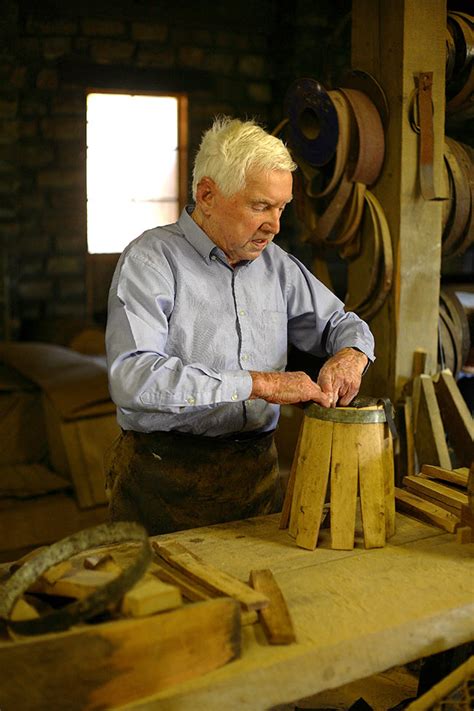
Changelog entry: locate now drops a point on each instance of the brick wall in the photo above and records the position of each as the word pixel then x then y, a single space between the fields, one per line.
pixel 230 58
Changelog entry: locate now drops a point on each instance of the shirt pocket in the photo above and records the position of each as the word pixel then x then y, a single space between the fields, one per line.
pixel 275 328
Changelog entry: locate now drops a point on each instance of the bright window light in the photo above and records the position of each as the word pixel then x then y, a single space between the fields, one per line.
pixel 132 167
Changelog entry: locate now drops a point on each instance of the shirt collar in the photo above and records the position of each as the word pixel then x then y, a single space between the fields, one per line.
pixel 199 239
pixel 195 235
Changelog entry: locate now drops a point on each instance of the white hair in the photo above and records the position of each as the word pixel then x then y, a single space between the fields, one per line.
pixel 231 148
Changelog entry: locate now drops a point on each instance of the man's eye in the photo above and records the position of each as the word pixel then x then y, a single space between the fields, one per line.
pixel 260 207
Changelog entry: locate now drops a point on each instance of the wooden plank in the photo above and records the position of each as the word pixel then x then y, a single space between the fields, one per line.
pixel 371 484
pixel 453 476
pixel 457 420
pixel 388 465
pixel 27 480
pixel 313 468
pixel 210 577
pixel 115 663
pixel 430 440
pixel 305 440
pixel 96 435
pixel 150 595
pixel 435 490
pixel 344 477
pixel 44 520
pixel 425 511
pixel 190 589
pixel 290 487
pixel 275 618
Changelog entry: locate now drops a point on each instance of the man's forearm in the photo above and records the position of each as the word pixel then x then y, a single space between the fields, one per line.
pixel 286 388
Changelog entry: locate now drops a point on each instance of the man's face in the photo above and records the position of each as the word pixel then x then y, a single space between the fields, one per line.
pixel 243 224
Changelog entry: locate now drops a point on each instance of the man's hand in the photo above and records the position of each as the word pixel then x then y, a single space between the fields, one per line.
pixel 287 388
pixel 341 375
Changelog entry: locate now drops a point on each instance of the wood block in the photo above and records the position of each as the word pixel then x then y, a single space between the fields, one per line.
pixel 371 484
pixel 210 577
pixel 430 440
pixel 457 419
pixel 22 610
pixel 425 511
pixel 313 472
pixel 116 663
pixel 57 571
pixel 344 477
pixel 103 561
pixel 419 485
pixel 275 618
pixel 149 596
pixel 453 476
pixel 78 584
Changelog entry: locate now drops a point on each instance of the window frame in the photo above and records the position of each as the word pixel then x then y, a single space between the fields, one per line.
pixel 101 264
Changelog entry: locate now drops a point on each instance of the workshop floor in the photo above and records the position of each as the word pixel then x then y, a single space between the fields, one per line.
pixel 380 692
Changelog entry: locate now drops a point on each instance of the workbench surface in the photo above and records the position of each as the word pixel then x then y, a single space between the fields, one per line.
pixel 356 613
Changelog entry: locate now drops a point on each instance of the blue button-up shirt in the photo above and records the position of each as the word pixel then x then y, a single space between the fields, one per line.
pixel 184 328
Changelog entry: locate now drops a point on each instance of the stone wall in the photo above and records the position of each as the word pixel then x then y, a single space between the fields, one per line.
pixel 235 58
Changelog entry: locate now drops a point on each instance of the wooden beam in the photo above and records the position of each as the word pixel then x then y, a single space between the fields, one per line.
pixel 394 42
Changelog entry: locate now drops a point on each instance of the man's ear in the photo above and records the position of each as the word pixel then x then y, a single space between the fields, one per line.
pixel 206 192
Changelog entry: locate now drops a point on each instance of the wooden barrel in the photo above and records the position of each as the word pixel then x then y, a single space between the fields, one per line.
pixel 349 449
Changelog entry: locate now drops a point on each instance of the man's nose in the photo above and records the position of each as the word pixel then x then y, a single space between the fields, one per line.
pixel 273 223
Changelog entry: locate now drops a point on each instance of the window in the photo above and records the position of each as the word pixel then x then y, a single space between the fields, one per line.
pixel 136 170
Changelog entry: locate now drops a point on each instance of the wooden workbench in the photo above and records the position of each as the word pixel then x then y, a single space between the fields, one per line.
pixel 356 613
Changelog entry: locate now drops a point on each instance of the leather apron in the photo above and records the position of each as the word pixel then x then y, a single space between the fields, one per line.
pixel 170 481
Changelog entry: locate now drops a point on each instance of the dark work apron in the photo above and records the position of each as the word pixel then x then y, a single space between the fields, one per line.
pixel 170 481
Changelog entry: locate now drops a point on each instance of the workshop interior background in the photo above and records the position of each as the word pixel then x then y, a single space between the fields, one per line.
pixel 226 58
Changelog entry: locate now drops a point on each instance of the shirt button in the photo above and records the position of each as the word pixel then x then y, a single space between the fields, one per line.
pixel 234 396
pixel 241 312
pixel 213 257
pixel 245 357
pixel 191 401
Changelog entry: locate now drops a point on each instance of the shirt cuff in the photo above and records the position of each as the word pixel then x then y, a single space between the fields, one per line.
pixel 236 385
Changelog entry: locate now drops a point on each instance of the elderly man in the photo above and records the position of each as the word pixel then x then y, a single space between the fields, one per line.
pixel 201 313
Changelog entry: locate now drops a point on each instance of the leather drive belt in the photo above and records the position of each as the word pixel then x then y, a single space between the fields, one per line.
pixel 313 124
pixel 461 27
pixel 368 150
pixel 381 274
pixel 362 143
pixel 93 604
pixel 458 230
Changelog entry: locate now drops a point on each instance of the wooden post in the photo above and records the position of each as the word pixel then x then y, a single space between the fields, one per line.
pixel 394 42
